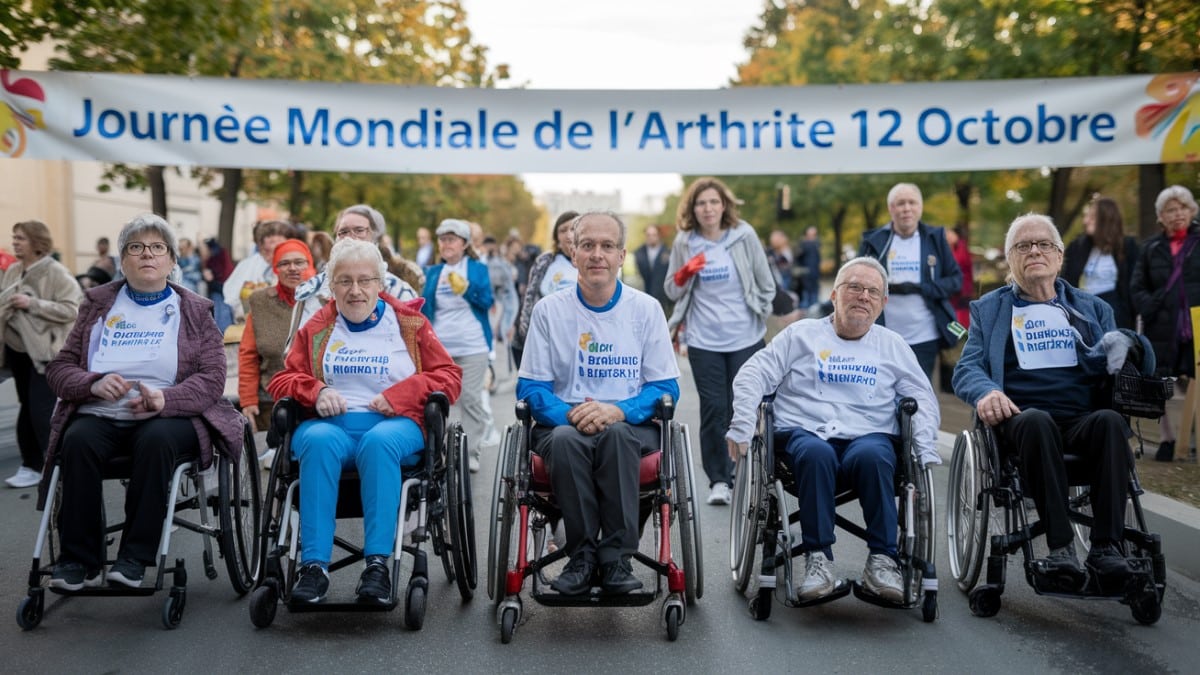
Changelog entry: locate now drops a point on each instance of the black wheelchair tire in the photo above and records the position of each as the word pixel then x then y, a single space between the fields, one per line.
pixel 240 516
pixel 461 530
pixel 504 512
pixel 744 517
pixel 967 515
pixel 687 516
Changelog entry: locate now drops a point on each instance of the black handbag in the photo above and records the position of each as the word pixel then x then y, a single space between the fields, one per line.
pixel 1137 395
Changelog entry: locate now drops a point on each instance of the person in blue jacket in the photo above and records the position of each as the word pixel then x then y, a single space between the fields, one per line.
pixel 922 275
pixel 458 295
pixel 1036 356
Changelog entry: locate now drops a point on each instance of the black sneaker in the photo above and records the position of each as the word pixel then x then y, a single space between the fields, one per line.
pixel 616 578
pixel 72 576
pixel 126 572
pixel 311 584
pixel 375 585
pixel 576 577
pixel 1108 563
pixel 1063 563
pixel 1166 452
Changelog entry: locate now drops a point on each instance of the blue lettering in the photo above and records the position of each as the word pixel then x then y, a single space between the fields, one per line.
pixel 296 122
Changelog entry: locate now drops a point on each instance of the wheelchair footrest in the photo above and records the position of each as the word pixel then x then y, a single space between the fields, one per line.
pixel 841 590
pixel 305 607
pixel 595 598
pixel 1094 587
pixel 865 595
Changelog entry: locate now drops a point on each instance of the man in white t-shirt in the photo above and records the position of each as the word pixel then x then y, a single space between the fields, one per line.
pixel 922 276
pixel 836 382
pixel 597 358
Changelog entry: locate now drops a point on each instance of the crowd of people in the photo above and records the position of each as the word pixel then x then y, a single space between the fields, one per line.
pixel 306 300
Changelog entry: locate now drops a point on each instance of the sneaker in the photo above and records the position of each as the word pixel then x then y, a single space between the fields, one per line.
pixel 881 577
pixel 1166 452
pixel 616 577
pixel 126 572
pixel 71 576
pixel 720 494
pixel 818 577
pixel 1062 562
pixel 473 464
pixel 312 584
pixel 1107 562
pixel 375 584
pixel 576 577
pixel 25 477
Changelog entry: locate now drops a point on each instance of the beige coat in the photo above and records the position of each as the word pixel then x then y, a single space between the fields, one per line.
pixel 40 330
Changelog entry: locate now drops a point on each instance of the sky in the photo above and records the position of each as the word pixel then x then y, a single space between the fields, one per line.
pixel 614 44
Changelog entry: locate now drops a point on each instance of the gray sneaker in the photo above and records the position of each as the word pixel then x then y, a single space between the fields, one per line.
pixel 818 577
pixel 881 577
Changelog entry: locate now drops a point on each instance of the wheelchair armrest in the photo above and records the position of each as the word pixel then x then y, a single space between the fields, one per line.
pixel 665 408
pixel 284 418
pixel 439 401
pixel 523 412
pixel 907 406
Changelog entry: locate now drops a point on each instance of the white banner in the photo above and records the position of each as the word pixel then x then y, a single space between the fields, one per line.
pixel 153 119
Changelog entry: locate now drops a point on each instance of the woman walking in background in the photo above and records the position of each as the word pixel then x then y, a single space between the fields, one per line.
pixel 551 271
pixel 1101 260
pixel 722 286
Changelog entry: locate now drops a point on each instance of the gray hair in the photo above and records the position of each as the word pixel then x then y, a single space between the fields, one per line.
pixel 1177 193
pixel 865 261
pixel 1027 219
pixel 900 186
pixel 148 222
pixel 374 217
pixel 354 250
pixel 608 214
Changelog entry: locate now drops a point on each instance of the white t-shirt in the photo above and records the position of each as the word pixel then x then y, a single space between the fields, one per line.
pixel 836 388
pixel 560 274
pixel 606 355
pixel 1043 337
pixel 718 318
pixel 360 365
pixel 908 315
pixel 1099 273
pixel 255 271
pixel 453 321
pixel 141 344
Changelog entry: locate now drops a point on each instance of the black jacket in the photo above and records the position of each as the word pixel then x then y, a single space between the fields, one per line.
pixel 1120 299
pixel 1158 305
pixel 653 272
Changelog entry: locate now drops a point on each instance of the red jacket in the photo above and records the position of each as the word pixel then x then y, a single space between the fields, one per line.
pixel 302 375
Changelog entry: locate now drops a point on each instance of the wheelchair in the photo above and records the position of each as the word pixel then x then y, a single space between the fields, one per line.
pixel 760 518
pixel 229 489
pixel 436 494
pixel 524 513
pixel 987 504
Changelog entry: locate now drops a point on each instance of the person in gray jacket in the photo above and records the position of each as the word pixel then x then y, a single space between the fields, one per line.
pixel 722 286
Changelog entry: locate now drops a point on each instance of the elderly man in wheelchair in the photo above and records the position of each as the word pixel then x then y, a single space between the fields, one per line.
pixel 1037 353
pixel 836 383
pixel 594 413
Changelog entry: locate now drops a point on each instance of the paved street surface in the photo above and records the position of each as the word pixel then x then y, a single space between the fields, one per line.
pixel 1031 633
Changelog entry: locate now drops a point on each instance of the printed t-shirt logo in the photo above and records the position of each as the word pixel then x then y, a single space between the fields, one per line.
pixel 835 369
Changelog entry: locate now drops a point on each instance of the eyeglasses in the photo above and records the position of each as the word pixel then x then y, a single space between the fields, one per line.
pixel 607 247
pixel 157 248
pixel 353 231
pixel 347 284
pixel 1024 247
pixel 859 289
pixel 299 264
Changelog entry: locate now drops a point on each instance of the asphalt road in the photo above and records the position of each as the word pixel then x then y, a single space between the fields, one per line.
pixel 1030 634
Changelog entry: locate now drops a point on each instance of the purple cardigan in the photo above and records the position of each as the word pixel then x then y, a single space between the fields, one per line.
pixel 199 382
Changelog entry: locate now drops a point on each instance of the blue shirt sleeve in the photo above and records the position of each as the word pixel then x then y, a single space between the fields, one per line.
pixel 547 409
pixel 640 408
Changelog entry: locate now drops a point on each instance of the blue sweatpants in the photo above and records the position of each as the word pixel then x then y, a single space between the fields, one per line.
pixel 374 444
pixel 866 463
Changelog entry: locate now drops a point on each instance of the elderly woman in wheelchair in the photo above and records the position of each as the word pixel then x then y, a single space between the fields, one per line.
pixel 365 364
pixel 1037 354
pixel 836 382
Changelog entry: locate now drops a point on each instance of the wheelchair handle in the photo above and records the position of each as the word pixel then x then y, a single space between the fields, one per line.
pixel 439 399
pixel 666 408
pixel 908 406
pixel 523 413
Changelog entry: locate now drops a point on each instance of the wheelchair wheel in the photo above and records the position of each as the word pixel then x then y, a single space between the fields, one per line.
pixel 264 602
pixel 1079 500
pixel 744 516
pixel 688 516
pixel 29 612
pixel 414 605
pixel 504 512
pixel 1146 606
pixel 459 514
pixel 967 510
pixel 508 624
pixel 240 513
pixel 172 611
pixel 270 522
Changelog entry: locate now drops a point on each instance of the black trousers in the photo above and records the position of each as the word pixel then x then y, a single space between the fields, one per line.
pixel 157 445
pixel 595 482
pixel 713 373
pixel 37 405
pixel 1102 439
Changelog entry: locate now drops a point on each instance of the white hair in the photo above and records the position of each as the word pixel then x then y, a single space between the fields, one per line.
pixel 1177 193
pixel 865 261
pixel 1028 219
pixel 354 250
pixel 901 186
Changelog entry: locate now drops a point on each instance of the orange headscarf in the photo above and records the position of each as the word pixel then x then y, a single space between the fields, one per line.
pixel 291 246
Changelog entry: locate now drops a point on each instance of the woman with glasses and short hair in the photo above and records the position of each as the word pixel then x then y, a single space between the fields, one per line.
pixel 365 363
pixel 458 295
pixel 142 374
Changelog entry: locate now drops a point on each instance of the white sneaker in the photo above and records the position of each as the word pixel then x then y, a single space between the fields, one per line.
pixel 25 477
pixel 818 577
pixel 473 464
pixel 266 459
pixel 881 576
pixel 720 494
